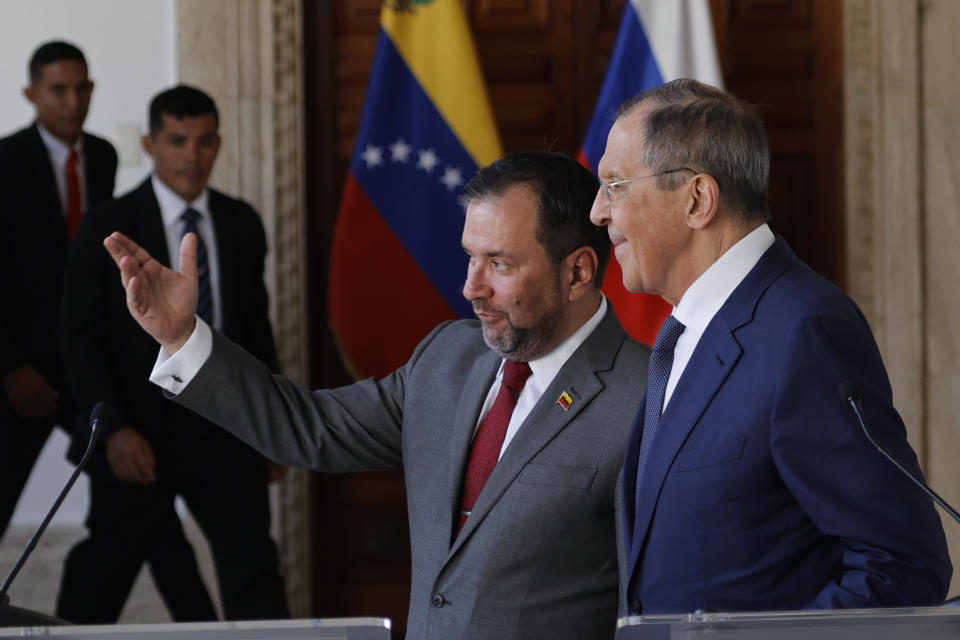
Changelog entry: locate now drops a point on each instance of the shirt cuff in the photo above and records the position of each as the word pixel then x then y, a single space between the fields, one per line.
pixel 174 372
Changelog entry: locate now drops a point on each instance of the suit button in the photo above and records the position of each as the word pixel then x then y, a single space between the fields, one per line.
pixel 438 600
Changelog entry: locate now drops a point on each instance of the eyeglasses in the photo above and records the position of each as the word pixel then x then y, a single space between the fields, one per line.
pixel 610 188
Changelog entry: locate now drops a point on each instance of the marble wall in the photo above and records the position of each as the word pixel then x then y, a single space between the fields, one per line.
pixel 902 137
pixel 247 55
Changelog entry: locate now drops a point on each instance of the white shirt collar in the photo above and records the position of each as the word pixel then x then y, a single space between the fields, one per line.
pixel 702 300
pixel 57 148
pixel 172 205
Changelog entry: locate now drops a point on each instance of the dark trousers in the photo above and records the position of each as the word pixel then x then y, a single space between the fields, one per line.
pixel 224 485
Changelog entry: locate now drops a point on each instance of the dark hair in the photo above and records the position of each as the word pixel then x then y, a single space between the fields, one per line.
pixel 566 191
pixel 180 102
pixel 695 125
pixel 50 52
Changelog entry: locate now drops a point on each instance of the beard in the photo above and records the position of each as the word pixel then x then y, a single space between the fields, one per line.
pixel 524 343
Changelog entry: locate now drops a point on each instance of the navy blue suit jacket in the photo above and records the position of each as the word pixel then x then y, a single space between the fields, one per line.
pixel 760 491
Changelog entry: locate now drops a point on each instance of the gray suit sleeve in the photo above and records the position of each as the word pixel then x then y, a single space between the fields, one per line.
pixel 352 428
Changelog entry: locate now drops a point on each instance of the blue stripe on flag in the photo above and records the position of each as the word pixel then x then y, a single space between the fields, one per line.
pixel 412 168
pixel 632 69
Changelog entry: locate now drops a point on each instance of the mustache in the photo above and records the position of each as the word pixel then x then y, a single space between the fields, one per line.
pixel 480 307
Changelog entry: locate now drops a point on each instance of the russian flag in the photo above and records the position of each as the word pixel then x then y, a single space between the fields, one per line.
pixel 397 268
pixel 658 41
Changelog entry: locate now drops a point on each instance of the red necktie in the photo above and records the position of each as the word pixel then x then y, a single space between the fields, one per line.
pixel 489 439
pixel 73 195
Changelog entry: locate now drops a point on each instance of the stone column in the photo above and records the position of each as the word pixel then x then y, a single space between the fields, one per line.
pixel 940 169
pixel 884 219
pixel 902 135
pixel 248 55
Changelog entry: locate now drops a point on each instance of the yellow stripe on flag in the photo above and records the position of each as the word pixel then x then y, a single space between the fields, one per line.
pixel 436 44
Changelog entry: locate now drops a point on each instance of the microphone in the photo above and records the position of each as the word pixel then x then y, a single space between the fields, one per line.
pixel 850 395
pixel 13 615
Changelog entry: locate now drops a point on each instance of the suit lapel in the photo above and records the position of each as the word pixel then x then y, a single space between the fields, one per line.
pixel 229 261
pixel 46 182
pixel 464 423
pixel 150 232
pixel 96 169
pixel 713 359
pixel 628 472
pixel 579 379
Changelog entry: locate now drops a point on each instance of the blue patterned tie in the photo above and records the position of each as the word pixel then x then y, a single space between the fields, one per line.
pixel 205 296
pixel 661 361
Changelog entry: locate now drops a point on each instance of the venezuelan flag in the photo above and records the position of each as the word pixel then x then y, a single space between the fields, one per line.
pixel 658 41
pixel 397 268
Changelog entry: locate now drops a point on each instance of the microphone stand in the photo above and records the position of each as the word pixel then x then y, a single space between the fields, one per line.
pixel 15 615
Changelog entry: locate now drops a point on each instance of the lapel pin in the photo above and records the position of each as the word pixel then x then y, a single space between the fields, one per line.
pixel 564 400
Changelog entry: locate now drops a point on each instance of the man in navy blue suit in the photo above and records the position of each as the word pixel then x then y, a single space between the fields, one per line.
pixel 747 483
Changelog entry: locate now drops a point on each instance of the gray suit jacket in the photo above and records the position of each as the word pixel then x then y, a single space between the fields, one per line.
pixel 537 557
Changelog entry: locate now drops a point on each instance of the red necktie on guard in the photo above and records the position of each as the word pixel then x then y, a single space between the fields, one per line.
pixel 489 438
pixel 73 195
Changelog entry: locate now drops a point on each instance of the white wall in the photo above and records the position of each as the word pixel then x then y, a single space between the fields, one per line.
pixel 130 47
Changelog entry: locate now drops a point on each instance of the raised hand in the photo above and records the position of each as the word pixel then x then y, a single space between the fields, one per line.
pixel 161 300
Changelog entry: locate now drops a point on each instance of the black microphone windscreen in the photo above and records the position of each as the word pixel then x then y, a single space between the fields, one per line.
pixel 99 413
pixel 848 391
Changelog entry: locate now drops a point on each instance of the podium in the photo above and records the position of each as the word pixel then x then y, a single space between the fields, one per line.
pixel 323 628
pixel 846 624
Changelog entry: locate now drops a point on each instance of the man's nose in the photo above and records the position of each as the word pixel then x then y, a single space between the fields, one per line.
pixel 600 212
pixel 474 286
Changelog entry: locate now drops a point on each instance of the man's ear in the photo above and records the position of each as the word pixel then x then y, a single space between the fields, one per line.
pixel 28 94
pixel 147 142
pixel 581 268
pixel 704 200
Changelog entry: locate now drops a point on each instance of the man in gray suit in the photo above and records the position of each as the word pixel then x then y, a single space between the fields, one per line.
pixel 510 476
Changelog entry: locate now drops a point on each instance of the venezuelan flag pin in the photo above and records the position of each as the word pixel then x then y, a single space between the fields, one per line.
pixel 564 400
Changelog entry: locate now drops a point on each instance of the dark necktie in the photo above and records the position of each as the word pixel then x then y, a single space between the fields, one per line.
pixel 205 296
pixel 661 361
pixel 489 438
pixel 73 194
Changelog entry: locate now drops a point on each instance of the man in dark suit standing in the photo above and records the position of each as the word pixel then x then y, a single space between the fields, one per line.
pixel 154 450
pixel 748 483
pixel 50 172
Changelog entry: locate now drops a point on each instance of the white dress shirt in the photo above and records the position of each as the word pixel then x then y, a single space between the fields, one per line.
pixel 703 298
pixel 175 372
pixel 542 372
pixel 172 207
pixel 59 152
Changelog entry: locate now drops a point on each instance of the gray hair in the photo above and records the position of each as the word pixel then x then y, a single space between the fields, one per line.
pixel 695 125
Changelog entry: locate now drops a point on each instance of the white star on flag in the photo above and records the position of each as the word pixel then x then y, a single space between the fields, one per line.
pixel 451 178
pixel 428 160
pixel 373 156
pixel 400 151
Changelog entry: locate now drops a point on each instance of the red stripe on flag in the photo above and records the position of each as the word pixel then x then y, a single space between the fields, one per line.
pixel 376 287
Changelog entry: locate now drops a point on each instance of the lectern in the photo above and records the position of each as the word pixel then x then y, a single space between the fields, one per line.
pixel 848 624
pixel 322 628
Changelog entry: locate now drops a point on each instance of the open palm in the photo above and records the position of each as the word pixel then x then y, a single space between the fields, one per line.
pixel 161 300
